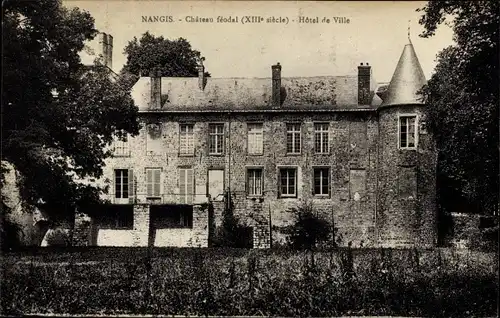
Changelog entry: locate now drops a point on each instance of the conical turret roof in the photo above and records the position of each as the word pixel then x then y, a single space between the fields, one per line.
pixel 407 80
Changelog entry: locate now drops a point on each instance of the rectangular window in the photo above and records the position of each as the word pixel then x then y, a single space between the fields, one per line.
pixel 216 141
pixel 186 185
pixel 153 182
pixel 407 132
pixel 321 181
pixel 293 138
pixel 216 184
pixel 121 184
pixel 357 184
pixel 153 139
pixel 321 138
pixel 288 182
pixel 254 182
pixel 121 145
pixel 172 216
pixel 255 139
pixel 116 217
pixel 186 139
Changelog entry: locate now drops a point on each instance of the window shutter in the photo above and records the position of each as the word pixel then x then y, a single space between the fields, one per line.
pixel 149 182
pixel 190 185
pixel 182 185
pixel 114 184
pixel 157 182
pixel 131 191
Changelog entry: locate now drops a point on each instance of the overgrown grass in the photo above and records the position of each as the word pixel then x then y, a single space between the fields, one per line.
pixel 251 282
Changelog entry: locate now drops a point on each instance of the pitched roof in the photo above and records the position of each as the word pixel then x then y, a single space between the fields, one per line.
pixel 407 80
pixel 248 94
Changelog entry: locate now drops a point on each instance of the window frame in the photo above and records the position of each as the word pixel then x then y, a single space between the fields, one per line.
pixel 160 187
pixel 407 115
pixel 254 134
pixel 294 132
pixel 321 133
pixel 124 172
pixel 247 183
pixel 186 135
pixel 120 144
pixel 280 186
pixel 328 171
pixel 222 135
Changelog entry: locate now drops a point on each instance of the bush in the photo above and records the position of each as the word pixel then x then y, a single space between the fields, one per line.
pixel 10 235
pixel 308 229
pixel 58 237
pixel 231 233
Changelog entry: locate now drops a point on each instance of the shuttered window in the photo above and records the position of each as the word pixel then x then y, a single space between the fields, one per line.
pixel 153 182
pixel 186 185
pixel 255 139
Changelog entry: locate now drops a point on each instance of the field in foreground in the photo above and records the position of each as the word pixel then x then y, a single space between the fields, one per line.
pixel 437 282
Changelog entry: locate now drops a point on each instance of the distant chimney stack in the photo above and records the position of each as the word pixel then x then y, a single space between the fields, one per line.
pixel 155 89
pixel 364 76
pixel 109 59
pixel 201 77
pixel 276 82
pixel 103 47
pixel 106 49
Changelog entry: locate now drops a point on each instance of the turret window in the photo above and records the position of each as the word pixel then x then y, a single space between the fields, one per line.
pixel 408 132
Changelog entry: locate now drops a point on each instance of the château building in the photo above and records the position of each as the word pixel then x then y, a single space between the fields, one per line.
pixel 357 151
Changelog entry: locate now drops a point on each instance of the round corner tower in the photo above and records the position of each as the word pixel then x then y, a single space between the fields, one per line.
pixel 406 187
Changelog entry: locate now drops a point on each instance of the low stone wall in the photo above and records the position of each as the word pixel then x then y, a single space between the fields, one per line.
pixel 470 230
pixel 86 232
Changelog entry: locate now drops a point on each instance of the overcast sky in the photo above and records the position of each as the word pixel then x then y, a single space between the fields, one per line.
pixel 376 33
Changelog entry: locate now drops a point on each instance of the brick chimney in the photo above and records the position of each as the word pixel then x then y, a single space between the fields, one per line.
pixel 109 59
pixel 103 47
pixel 201 77
pixel 364 74
pixel 276 79
pixel 155 89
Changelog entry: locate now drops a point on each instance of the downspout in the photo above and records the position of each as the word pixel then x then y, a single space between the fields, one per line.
pixel 377 239
pixel 229 157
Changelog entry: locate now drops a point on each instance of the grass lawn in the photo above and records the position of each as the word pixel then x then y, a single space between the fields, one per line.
pixel 437 282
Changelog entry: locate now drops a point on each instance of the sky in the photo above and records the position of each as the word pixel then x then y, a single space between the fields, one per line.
pixel 376 34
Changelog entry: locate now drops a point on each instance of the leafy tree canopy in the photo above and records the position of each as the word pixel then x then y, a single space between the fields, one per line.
pixel 462 100
pixel 57 115
pixel 171 58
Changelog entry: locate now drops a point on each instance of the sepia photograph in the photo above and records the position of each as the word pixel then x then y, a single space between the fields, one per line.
pixel 164 158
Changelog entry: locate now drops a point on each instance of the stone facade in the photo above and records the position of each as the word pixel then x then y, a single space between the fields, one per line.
pixel 377 194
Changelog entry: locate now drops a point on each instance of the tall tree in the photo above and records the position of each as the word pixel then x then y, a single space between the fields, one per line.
pixel 57 115
pixel 172 58
pixel 462 99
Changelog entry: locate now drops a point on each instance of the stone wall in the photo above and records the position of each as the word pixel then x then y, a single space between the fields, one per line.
pixel 352 155
pixel 406 208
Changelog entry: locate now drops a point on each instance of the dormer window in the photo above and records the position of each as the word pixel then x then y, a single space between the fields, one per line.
pixel 408 134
